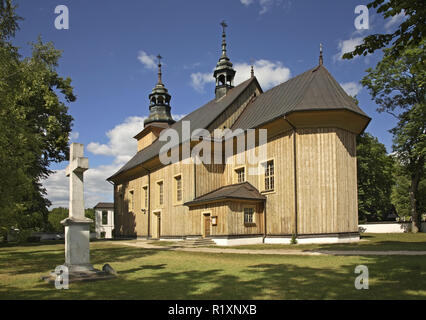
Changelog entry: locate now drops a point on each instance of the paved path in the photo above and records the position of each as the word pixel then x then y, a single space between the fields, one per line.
pixel 145 245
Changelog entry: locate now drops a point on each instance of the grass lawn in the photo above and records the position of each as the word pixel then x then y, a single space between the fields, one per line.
pixel 163 274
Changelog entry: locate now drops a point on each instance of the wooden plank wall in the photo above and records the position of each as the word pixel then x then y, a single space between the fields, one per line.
pixel 280 202
pixel 326 178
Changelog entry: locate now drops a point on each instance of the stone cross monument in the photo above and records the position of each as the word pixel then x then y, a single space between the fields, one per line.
pixel 77 228
pixel 77 232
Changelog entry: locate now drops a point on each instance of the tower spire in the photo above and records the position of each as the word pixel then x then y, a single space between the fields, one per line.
pixel 224 25
pixel 251 69
pixel 320 57
pixel 159 108
pixel 223 73
pixel 159 57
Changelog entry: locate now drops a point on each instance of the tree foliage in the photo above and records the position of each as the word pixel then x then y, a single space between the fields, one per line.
pixel 409 34
pixel 375 179
pixel 397 86
pixel 34 125
pixel 56 215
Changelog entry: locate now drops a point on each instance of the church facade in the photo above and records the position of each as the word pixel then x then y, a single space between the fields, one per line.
pixel 304 186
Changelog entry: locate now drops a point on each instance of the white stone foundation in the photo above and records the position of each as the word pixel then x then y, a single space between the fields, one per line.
pixel 237 241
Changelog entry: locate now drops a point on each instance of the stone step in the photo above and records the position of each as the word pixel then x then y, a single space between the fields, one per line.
pixel 197 242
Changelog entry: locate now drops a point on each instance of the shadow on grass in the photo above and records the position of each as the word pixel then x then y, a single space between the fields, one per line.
pixel 47 260
pixel 253 278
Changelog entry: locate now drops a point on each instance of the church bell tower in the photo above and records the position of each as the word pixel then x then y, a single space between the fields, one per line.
pixel 159 107
pixel 223 73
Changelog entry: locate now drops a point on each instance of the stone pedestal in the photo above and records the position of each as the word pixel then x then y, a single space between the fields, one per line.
pixel 77 244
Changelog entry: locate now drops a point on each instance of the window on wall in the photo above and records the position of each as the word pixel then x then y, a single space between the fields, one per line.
pixel 131 201
pixel 145 197
pixel 104 217
pixel 240 173
pixel 160 193
pixel 269 176
pixel 178 187
pixel 248 215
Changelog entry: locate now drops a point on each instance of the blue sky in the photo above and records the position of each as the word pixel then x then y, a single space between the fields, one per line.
pixel 109 46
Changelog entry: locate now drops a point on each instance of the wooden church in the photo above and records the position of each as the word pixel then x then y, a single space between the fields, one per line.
pixel 305 187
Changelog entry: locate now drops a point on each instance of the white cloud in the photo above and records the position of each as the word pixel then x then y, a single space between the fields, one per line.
pixel 147 60
pixel 345 46
pixel 266 5
pixel 351 88
pixel 74 135
pixel 199 80
pixel 395 20
pixel 121 146
pixel 268 73
pixel 96 188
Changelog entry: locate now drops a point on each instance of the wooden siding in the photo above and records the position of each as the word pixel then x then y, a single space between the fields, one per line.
pixel 326 181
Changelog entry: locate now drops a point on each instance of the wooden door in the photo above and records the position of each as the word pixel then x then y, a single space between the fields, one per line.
pixel 206 225
pixel 159 226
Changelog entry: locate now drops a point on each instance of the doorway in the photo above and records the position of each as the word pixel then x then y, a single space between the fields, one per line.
pixel 207 225
pixel 156 228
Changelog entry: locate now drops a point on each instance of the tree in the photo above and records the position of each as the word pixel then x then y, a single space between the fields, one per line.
pixel 56 215
pixel 409 34
pixel 375 179
pixel 397 86
pixel 34 125
pixel 400 190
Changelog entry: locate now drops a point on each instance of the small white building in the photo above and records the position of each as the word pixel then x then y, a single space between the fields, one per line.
pixel 104 216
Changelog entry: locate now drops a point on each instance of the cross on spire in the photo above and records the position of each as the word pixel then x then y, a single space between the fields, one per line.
pixel 320 57
pixel 159 57
pixel 224 25
pixel 251 68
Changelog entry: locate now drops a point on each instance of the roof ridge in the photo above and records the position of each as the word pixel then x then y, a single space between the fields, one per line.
pixel 304 91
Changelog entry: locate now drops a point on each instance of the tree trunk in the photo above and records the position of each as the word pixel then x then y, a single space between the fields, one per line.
pixel 415 224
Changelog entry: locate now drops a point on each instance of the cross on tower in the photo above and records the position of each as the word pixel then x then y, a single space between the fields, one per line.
pixel 77 165
pixel 159 59
pixel 224 25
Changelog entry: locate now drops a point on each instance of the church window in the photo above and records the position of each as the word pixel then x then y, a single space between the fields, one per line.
pixel 178 188
pixel 269 176
pixel 131 201
pixel 248 215
pixel 145 197
pixel 160 193
pixel 240 174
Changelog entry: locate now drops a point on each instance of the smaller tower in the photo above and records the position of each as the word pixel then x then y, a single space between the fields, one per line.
pixel 223 73
pixel 159 107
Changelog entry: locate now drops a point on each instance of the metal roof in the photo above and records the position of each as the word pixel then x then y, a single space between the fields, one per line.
pixel 239 191
pixel 104 205
pixel 200 118
pixel 315 89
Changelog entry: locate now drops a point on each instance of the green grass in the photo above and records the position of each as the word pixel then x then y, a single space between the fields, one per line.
pixel 370 242
pixel 165 274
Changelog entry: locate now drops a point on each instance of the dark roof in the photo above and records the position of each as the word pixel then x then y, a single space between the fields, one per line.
pixel 315 89
pixel 200 118
pixel 240 191
pixel 104 205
